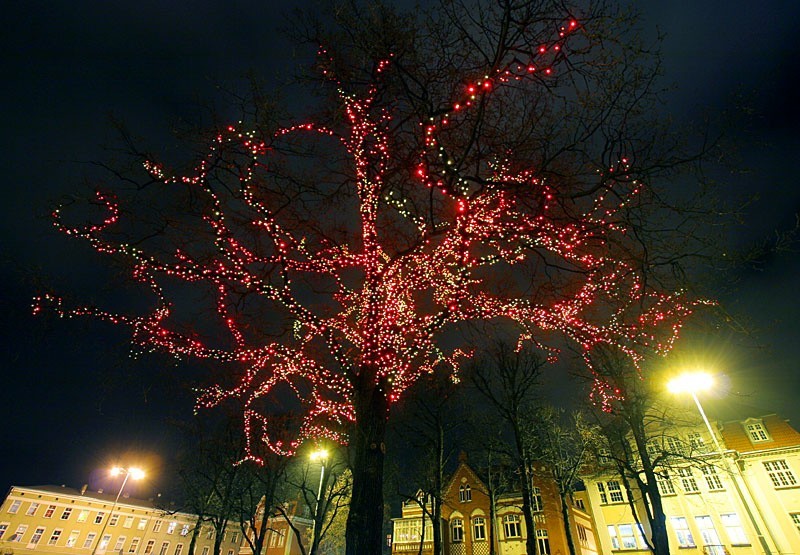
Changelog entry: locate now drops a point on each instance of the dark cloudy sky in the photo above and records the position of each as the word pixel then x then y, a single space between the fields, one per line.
pixel 70 403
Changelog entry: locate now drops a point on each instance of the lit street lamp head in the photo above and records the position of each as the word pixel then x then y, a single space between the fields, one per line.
pixel 691 382
pixel 135 473
pixel 319 454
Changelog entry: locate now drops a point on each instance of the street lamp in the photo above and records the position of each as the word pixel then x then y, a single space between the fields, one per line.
pixel 130 472
pixel 692 383
pixel 320 455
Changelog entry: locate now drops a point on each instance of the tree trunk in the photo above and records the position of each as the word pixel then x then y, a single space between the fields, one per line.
pixel 527 508
pixel 365 519
pixel 565 516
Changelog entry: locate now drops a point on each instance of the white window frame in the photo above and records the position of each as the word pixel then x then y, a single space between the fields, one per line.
pixel 780 473
pixel 512 526
pixel 32 508
pixel 542 541
pixel 478 529
pixel 756 431
pixel 537 504
pixel 55 536
pixel 120 545
pixel 688 481
pixel 87 543
pixel 734 529
pixel 456 530
pixel 712 477
pixel 615 491
pixel 14 507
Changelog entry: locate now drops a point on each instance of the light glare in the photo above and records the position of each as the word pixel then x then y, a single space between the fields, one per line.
pixel 691 382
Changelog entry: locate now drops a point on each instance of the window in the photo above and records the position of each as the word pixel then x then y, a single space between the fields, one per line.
pixel 113 520
pixel 14 508
pixel 602 489
pixel 120 544
pixel 603 455
pixel 795 520
pixel 682 532
pixel 665 485
pixel 17 536
pixel 230 552
pixel 456 530
pixel 623 536
pixel 675 446
pixel 171 527
pixel 479 528
pixel 583 535
pixel 653 449
pixel 235 537
pixel 54 537
pixel 164 548
pixel 780 474
pixel 756 432
pixel 32 508
pixel 688 483
pixel 66 513
pixel 157 525
pixel 734 529
pixel 464 493
pixel 210 533
pixel 50 510
pixel 184 530
pixel 87 543
pixel 104 541
pixel 148 549
pixel 128 522
pixel 99 517
pixel 712 478
pixel 626 536
pixel 512 526
pixel 134 545
pixel 37 535
pixel 72 539
pixel 542 541
pixel 83 515
pixel 713 545
pixel 612 533
pixel 536 501
pixel 142 524
pixel 579 504
pixel 205 550
pixel 179 549
pixel 615 492
pixel 696 442
pixel 3 529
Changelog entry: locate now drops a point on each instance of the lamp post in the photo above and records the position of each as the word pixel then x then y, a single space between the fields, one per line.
pixel 320 455
pixel 136 474
pixel 692 383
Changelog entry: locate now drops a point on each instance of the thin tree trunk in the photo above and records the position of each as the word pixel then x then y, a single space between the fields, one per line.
pixel 367 451
pixel 567 529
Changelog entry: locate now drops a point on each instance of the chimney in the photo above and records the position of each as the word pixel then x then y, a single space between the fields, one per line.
pixel 83 488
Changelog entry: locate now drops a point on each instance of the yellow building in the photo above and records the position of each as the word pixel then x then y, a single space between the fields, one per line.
pixel 467 528
pixel 61 520
pixel 745 503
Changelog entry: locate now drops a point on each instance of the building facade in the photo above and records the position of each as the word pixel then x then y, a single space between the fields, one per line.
pixel 61 520
pixel 743 499
pixel 469 525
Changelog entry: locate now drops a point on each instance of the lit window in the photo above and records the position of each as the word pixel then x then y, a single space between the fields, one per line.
pixel 54 537
pixel 479 528
pixel 104 541
pixel 536 499
pixel 50 510
pixel 120 544
pixel 99 517
pixel 713 480
pixel 456 530
pixel 542 541
pixel 83 515
pixel 696 442
pixel 185 530
pixel 665 485
pixel 128 522
pixel 32 508
pixel 14 508
pixel 148 549
pixel 688 483
pixel 601 488
pixel 66 513
pixel 780 474
pixel 171 527
pixel 37 535
pixel 615 492
pixel 757 432
pixel 734 529
pixel 87 543
pixel 464 493
pixel 142 524
pixel 626 536
pixel 707 530
pixel 612 533
pixel 512 526
pixel 72 538
pixel 682 532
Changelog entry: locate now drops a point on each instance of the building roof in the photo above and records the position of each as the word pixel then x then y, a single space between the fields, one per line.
pixel 780 432
pixel 101 496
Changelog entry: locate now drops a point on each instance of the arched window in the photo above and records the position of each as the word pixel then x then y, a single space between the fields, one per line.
pixel 457 530
pixel 464 493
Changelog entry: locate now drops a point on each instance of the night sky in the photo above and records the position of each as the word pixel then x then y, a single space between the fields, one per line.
pixel 72 402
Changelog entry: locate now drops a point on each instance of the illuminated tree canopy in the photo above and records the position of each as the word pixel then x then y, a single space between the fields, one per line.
pixel 343 254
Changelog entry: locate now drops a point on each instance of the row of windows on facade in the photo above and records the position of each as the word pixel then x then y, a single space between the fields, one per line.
pixel 778 471
pixel 630 536
pixel 537 505
pixel 72 541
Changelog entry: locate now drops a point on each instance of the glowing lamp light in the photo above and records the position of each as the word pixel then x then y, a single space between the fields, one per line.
pixel 319 454
pixel 135 473
pixel 691 382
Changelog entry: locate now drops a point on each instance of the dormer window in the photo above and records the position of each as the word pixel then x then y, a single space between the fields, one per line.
pixel 756 431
